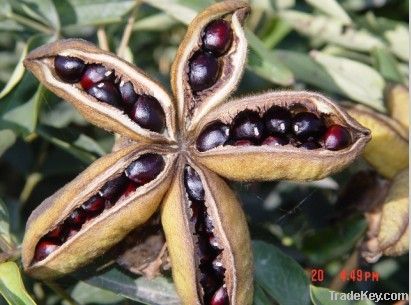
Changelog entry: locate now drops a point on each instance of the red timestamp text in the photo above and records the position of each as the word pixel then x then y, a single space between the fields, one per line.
pixel 359 275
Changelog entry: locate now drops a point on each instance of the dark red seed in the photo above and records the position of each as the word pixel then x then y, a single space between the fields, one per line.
pixel 209 282
pixel 148 113
pixel 71 232
pixel 307 126
pixel 95 205
pixel 44 248
pixel 77 218
pixel 130 188
pixel 247 125
pixel 243 143
pixel 106 92
pixel 203 72
pixel 145 168
pixel 192 182
pixel 275 141
pixel 337 137
pixel 310 145
pixel 220 297
pixel 213 135
pixel 217 37
pixel 69 69
pixel 94 74
pixel 114 188
pixel 57 233
pixel 128 95
pixel 277 120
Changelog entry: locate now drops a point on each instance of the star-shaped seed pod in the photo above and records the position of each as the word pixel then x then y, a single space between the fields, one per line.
pixel 173 153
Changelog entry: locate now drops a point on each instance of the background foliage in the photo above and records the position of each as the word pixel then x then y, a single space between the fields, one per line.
pixel 349 50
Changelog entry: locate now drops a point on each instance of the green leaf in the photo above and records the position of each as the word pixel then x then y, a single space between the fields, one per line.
pixel 11 285
pixel 260 297
pixel 78 145
pixel 159 291
pixel 331 30
pixel 93 12
pixel 6 239
pixel 387 65
pixel 399 41
pixel 158 22
pixel 334 241
pixel 323 296
pixel 279 275
pixel 265 63
pixel 331 8
pixel 358 81
pixel 84 293
pixel 7 139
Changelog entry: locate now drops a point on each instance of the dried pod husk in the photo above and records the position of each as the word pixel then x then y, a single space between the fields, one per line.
pixel 397 100
pixel 265 162
pixel 229 229
pixel 395 216
pixel 41 63
pixel 102 231
pixel 192 106
pixel 387 151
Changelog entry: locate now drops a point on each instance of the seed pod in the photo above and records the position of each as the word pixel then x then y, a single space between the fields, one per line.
pixel 193 104
pixel 105 71
pixel 183 235
pixel 387 152
pixel 397 100
pixel 288 161
pixel 99 232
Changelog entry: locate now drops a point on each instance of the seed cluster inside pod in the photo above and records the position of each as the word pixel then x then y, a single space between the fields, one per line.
pixel 141 171
pixel 209 265
pixel 105 86
pixel 276 126
pixel 204 65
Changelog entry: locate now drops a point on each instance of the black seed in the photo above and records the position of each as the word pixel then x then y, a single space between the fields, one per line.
pixel 203 72
pixel 148 113
pixel 247 125
pixel 192 182
pixel 307 125
pixel 69 69
pixel 128 95
pixel 146 168
pixel 277 120
pixel 106 92
pixel 213 135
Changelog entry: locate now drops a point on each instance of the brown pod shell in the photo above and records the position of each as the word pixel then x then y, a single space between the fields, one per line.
pixel 230 229
pixel 40 63
pixel 105 230
pixel 192 107
pixel 281 162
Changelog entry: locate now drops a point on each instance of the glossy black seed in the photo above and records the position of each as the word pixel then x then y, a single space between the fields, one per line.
pixel 94 74
pixel 310 145
pixel 145 169
pixel 69 69
pixel 76 218
pixel 192 182
pixel 44 248
pixel 148 113
pixel 213 135
pixel 337 137
pixel 307 125
pixel 277 120
pixel 114 188
pixel 217 37
pixel 204 68
pixel 247 125
pixel 128 95
pixel 106 92
pixel 94 205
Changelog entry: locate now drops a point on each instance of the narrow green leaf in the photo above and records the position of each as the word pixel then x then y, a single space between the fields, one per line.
pixel 158 22
pixel 331 8
pixel 6 239
pixel 7 139
pixel 80 146
pixel 84 293
pixel 265 63
pixel 17 74
pixel 11 285
pixel 399 41
pixel 334 241
pixel 387 65
pixel 323 296
pixel 279 275
pixel 159 291
pixel 174 8
pixel 358 81
pixel 331 30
